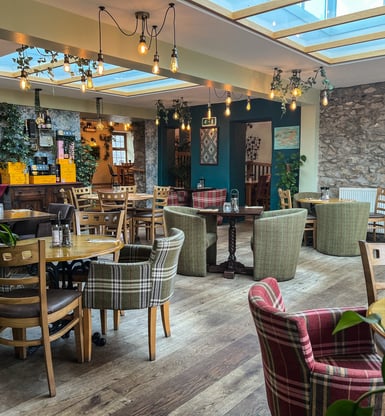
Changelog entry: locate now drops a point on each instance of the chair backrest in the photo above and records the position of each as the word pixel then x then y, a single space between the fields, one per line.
pixel 113 201
pixel 21 256
pixel 101 223
pixel 380 201
pixel 286 350
pixel 155 278
pixel 66 212
pixel 340 226
pixel 160 198
pixel 131 189
pixel 111 170
pixel 284 198
pixel 373 257
pixel 78 197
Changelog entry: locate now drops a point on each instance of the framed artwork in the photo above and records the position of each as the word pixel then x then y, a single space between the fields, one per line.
pixel 286 138
pixel 209 146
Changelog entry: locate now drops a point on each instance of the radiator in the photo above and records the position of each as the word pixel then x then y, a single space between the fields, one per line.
pixel 360 194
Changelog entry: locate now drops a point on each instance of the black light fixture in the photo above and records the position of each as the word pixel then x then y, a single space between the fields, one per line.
pixel 100 54
pixel 180 111
pixel 99 124
pixel 143 47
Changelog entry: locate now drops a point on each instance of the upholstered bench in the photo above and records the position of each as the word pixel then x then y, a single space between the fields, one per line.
pixel 213 198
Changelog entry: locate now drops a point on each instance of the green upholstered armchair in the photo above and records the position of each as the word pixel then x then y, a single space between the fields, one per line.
pixel 276 243
pixel 200 246
pixel 143 278
pixel 340 226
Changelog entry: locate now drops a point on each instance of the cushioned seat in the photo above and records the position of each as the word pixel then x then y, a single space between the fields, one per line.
pixel 340 226
pixel 276 243
pixel 200 245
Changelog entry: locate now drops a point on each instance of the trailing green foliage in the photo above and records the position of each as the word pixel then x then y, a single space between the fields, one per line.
pixel 288 170
pixel 7 237
pixel 14 143
pixel 351 407
pixel 86 163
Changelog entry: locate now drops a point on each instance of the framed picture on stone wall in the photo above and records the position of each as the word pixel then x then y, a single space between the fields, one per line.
pixel 209 146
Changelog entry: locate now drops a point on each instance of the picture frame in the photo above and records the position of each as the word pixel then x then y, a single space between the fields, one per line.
pixel 286 138
pixel 209 146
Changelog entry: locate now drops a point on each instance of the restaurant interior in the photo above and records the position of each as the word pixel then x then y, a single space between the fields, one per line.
pixel 219 104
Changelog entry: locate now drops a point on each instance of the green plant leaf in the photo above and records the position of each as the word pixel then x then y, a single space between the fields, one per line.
pixel 351 318
pixel 7 237
pixel 348 408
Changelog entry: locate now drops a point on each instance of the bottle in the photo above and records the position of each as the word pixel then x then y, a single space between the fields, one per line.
pixel 66 239
pixel 47 120
pixel 55 234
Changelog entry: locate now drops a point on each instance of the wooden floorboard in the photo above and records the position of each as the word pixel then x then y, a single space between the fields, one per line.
pixel 211 364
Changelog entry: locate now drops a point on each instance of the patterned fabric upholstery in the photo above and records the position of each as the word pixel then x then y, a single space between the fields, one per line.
pixel 178 197
pixel 340 226
pixel 139 283
pixel 306 368
pixel 276 243
pixel 200 246
pixel 210 199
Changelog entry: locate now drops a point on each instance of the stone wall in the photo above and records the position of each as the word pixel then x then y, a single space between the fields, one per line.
pixel 352 138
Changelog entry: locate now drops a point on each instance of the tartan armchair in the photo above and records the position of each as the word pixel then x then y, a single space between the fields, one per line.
pixel 306 368
pixel 200 245
pixel 143 278
pixel 276 243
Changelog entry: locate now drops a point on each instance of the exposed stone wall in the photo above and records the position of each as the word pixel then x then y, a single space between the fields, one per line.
pixel 352 138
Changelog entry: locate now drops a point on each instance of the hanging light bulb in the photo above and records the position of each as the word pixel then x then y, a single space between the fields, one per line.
pixel 155 67
pixel 293 104
pixel 142 46
pixel 174 66
pixel 324 98
pixel 228 98
pixel 248 104
pixel 227 111
pixel 188 127
pixel 99 125
pixel 66 64
pixel 209 110
pixel 157 120
pixel 90 83
pixel 100 64
pixel 183 126
pixel 83 86
pixel 272 93
pixel 23 79
pixel 175 115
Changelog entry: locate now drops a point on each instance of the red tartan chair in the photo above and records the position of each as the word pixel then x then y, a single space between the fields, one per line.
pixel 306 368
pixel 213 198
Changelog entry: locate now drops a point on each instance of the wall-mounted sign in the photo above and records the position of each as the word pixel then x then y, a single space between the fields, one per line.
pixel 209 122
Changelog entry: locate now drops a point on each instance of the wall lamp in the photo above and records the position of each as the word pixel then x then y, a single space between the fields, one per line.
pixel 288 92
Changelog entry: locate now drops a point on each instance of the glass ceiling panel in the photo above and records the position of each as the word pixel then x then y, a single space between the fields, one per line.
pixel 161 84
pixel 309 12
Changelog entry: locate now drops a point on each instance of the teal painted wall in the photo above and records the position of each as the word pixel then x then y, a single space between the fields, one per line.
pixel 229 172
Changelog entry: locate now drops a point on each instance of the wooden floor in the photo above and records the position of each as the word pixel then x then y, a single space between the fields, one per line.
pixel 211 364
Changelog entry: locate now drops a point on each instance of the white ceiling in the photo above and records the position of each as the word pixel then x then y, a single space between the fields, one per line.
pixel 199 30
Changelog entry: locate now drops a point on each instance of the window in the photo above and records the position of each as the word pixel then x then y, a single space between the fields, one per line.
pixel 122 148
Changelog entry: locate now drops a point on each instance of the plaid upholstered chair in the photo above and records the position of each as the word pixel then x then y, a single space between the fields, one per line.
pixel 143 278
pixel 306 368
pixel 276 243
pixel 200 245
pixel 340 226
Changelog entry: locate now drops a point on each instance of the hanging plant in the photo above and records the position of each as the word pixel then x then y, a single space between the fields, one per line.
pixel 107 140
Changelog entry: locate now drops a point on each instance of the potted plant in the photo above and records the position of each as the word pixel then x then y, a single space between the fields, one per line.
pixel 288 170
pixel 7 237
pixel 86 163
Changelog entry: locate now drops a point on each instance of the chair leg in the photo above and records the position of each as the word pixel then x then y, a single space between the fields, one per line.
pixel 79 334
pixel 116 319
pixel 103 321
pixel 165 313
pixel 48 359
pixel 20 334
pixel 87 328
pixel 152 331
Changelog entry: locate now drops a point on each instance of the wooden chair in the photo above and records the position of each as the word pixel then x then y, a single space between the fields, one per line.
pixel 143 279
pixel 117 201
pixel 262 193
pixel 153 218
pixel 377 218
pixel 31 305
pixel 373 257
pixel 114 175
pixel 311 220
pixel 79 200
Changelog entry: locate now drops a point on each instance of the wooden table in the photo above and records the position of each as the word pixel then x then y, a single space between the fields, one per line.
pixel 231 265
pixel 323 201
pixel 83 247
pixel 14 215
